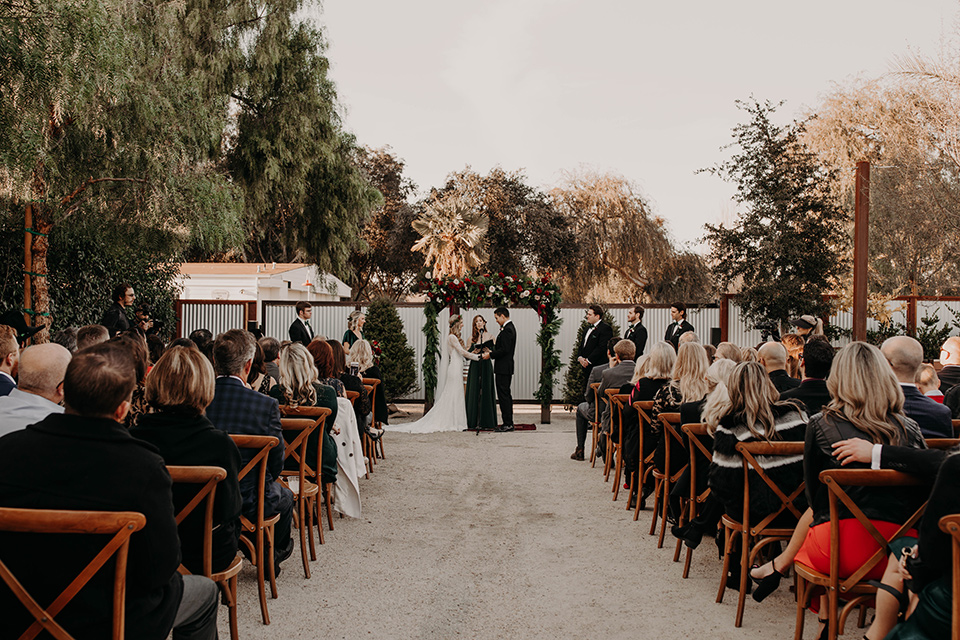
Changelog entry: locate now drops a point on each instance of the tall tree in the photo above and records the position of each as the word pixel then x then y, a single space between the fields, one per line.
pixel 787 247
pixel 451 236
pixel 624 249
pixel 386 266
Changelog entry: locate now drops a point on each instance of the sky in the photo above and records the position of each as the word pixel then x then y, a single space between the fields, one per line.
pixel 643 89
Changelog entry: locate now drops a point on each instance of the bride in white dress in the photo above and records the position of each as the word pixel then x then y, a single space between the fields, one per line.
pixel 449 412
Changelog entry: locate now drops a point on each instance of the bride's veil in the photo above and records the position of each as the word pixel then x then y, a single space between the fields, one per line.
pixel 442 369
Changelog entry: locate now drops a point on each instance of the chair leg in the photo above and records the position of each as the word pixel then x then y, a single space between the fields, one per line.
pixel 728 536
pixel 311 506
pixel 744 576
pixel 616 475
pixel 686 563
pixel 680 521
pixel 269 559
pixel 228 588
pixel 304 532
pixel 329 508
pixel 656 506
pixel 261 587
pixel 593 445
pixel 665 508
pixel 801 607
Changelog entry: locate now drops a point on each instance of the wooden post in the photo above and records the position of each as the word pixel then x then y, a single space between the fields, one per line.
pixel 544 406
pixel 912 315
pixel 724 317
pixel 861 235
pixel 27 263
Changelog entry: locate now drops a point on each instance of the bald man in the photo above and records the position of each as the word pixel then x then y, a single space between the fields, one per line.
pixel 905 356
pixel 950 359
pixel 773 357
pixel 42 369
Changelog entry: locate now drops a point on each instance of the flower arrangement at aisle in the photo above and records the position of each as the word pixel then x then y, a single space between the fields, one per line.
pixel 541 293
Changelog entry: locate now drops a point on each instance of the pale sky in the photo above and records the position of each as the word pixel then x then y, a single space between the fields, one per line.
pixel 643 89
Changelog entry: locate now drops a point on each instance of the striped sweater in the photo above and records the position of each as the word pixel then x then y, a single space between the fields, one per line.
pixel 726 470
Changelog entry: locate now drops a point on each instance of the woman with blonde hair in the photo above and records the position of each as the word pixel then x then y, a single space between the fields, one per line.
pixel 179 388
pixel 354 332
pixel 651 374
pixel 867 403
pixel 729 351
pixel 794 346
pixel 362 354
pixel 298 387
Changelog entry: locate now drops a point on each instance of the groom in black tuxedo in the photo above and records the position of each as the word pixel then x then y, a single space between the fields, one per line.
pixel 502 355
pixel 593 349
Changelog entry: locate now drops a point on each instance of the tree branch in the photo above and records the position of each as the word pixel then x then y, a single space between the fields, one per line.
pixel 92 181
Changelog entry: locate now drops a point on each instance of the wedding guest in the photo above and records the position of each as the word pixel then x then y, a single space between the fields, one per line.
pixel 729 351
pixel 354 332
pixel 66 338
pixel 204 341
pixel 362 354
pixel 794 346
pixel 91 334
pixel 654 375
pixel 749 354
pixel 619 373
pixel 99 466
pixel 808 326
pixel 323 360
pixel 258 379
pixel 135 343
pixel 689 336
pixel 929 383
pixel 155 347
pixel 9 359
pixel 679 326
pixel 300 329
pixel 950 359
pixel 905 355
pixel 115 318
pixel 271 352
pixel 773 357
pixel 240 410
pixel 812 392
pixel 362 407
pixel 593 348
pixel 688 384
pixel 179 389
pixel 636 332
pixel 711 352
pixel 587 410
pixel 42 367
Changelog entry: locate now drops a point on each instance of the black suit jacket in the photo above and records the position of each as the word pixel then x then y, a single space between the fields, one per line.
pixel 675 339
pixel 782 381
pixel 933 417
pixel 91 464
pixel 811 392
pixel 594 348
pixel 503 350
pixel 638 334
pixel 6 385
pixel 299 333
pixel 949 376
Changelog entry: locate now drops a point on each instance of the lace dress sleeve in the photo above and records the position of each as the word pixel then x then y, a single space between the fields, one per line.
pixel 455 345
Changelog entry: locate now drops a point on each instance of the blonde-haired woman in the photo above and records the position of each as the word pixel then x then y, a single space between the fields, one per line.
pixel 651 374
pixel 729 351
pixel 298 387
pixel 179 388
pixel 449 412
pixel 794 346
pixel 867 403
pixel 362 353
pixel 354 332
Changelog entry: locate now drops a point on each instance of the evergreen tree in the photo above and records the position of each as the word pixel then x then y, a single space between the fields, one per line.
pixel 788 245
pixel 575 377
pixel 397 357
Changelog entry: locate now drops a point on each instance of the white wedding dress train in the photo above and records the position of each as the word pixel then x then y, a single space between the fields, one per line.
pixel 449 412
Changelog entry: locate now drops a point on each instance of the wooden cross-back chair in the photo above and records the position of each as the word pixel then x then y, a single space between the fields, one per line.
pixel 645 463
pixel 756 536
pixel 951 525
pixel 304 491
pixel 852 588
pixel 698 452
pixel 615 446
pixel 956 427
pixel 377 420
pixel 608 449
pixel 208 478
pixel 595 423
pixel 663 479
pixel 262 528
pixel 314 472
pixel 369 444
pixel 118 524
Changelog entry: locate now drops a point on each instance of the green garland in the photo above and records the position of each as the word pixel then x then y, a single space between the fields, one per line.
pixel 541 294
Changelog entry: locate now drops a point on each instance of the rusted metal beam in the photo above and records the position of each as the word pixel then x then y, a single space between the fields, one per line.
pixel 861 236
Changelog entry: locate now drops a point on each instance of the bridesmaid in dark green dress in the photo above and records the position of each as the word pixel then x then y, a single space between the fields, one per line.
pixel 480 396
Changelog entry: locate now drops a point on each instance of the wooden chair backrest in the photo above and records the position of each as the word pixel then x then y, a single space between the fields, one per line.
pixel 696 449
pixel 644 407
pixel 118 524
pixel 319 416
pixel 297 448
pixel 835 481
pixel 596 400
pixel 671 424
pixel 208 478
pixel 956 426
pixel 951 525
pixel 620 402
pixel 787 495
pixel 942 443
pixel 352 396
pixel 261 445
pixel 371 386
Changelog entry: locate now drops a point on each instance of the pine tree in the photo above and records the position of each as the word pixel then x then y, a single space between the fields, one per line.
pixel 397 357
pixel 574 380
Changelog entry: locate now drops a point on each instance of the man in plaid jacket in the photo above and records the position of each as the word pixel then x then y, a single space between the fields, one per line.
pixel 240 410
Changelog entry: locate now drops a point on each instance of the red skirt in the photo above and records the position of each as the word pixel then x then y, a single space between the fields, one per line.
pixel 856 547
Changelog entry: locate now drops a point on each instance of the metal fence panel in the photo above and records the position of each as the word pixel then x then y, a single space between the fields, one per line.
pixel 217 317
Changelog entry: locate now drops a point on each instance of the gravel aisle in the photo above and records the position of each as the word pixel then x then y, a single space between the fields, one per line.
pixel 499 536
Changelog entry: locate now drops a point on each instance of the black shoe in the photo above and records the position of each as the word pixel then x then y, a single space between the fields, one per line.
pixel 767 584
pixel 633 502
pixel 577 454
pixel 504 428
pixel 690 535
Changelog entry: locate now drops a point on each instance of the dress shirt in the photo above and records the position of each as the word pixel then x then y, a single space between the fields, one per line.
pixel 586 336
pixel 19 408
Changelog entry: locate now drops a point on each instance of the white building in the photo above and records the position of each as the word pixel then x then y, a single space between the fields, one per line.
pixel 258 282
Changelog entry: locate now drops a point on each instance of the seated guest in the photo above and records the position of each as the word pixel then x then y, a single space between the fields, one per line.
pixel 794 346
pixel 689 336
pixel 867 403
pixel 9 359
pixel 298 387
pixel 362 353
pixel 179 389
pixel 618 374
pixel 773 357
pixel 362 407
pixel 155 347
pixel 40 393
pixel 749 354
pixel 137 345
pixel 648 380
pixel 950 359
pixel 258 379
pixel 324 362
pixel 99 466
pixel 729 351
pixel 689 384
pixel 587 410
pixel 929 383
pixel 239 410
pixel 271 351
pixel 204 341
pixel 812 392
pixel 66 338
pixel 905 355
pixel 91 334
pixel 711 352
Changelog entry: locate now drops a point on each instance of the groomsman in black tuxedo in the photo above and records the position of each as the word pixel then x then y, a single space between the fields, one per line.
pixel 300 330
pixel 680 326
pixel 502 355
pixel 593 349
pixel 636 332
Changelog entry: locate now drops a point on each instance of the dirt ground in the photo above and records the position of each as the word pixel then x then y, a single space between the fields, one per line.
pixel 500 536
